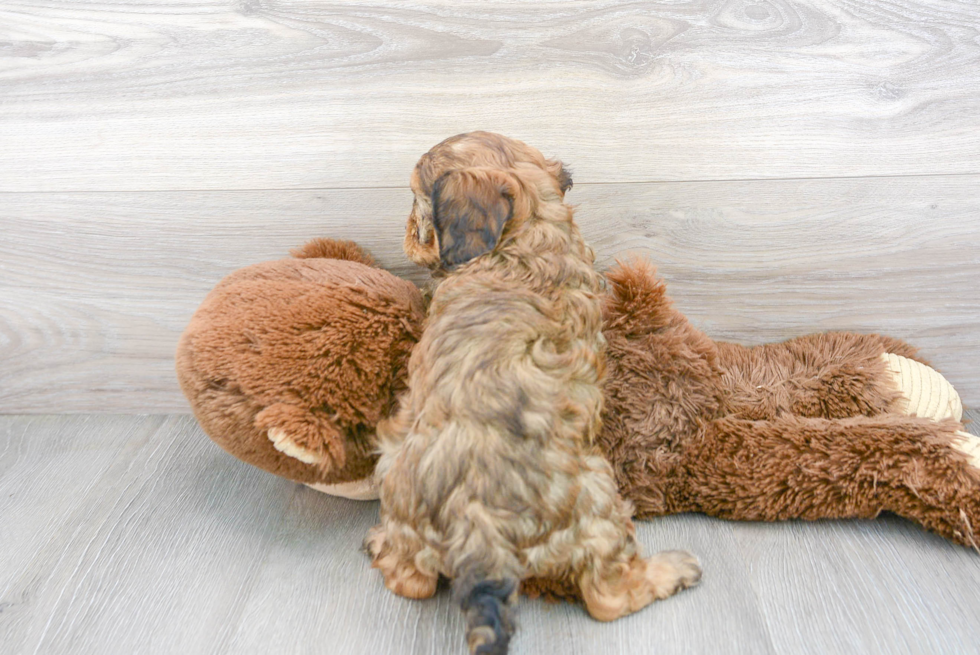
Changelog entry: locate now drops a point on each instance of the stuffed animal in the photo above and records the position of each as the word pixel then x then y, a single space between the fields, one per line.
pixel 835 425
pixel 290 365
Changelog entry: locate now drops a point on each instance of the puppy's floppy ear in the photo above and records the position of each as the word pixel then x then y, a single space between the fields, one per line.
pixel 564 178
pixel 470 208
pixel 562 174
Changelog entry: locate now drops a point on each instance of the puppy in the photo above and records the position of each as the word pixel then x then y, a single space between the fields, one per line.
pixel 487 471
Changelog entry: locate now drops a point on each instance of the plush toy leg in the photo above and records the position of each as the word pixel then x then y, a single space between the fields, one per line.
pixel 925 393
pixel 830 375
pixel 794 467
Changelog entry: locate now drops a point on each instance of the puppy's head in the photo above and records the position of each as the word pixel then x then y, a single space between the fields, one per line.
pixel 470 190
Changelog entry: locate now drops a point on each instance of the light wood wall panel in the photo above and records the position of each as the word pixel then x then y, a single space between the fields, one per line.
pixel 260 94
pixel 95 288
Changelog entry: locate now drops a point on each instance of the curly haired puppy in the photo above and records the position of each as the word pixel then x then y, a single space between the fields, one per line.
pixel 488 475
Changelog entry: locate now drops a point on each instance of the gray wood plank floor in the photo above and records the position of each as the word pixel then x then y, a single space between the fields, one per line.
pixel 135 534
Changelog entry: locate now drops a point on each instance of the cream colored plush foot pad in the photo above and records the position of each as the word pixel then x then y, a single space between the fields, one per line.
pixel 356 490
pixel 969 445
pixel 285 445
pixel 926 393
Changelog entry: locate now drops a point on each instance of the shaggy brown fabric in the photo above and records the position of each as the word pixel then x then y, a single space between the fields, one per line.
pixel 333 249
pixel 801 429
pixel 314 346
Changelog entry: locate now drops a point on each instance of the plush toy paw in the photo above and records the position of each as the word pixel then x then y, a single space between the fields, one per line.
pixel 925 393
pixel 308 436
pixel 287 446
pixel 364 489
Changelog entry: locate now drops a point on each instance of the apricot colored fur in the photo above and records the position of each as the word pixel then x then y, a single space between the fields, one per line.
pixel 488 471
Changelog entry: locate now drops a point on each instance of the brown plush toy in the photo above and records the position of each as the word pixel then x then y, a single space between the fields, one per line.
pixel 835 425
pixel 289 365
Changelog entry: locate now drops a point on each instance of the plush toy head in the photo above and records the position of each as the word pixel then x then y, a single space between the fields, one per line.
pixel 290 364
pixel 475 180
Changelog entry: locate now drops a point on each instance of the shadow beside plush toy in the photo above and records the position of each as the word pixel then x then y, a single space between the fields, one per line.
pixel 290 365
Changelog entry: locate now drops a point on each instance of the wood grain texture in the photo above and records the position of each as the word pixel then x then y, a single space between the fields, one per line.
pixel 155 556
pixel 258 94
pixel 136 534
pixel 95 289
pixel 48 468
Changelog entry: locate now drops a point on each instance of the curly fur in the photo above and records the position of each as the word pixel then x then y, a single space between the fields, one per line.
pixel 488 473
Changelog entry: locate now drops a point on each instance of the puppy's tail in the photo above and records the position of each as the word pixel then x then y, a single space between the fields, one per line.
pixel 333 249
pixel 485 604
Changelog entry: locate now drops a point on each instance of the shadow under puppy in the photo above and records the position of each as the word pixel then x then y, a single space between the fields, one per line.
pixel 488 474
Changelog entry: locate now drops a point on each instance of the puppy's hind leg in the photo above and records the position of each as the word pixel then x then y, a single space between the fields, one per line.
pixel 622 585
pixel 616 580
pixel 409 566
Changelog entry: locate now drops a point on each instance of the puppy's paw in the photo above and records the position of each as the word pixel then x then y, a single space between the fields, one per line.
pixel 671 571
pixel 374 541
pixel 925 393
pixel 286 445
pixel 401 573
pixel 639 583
pixel 408 582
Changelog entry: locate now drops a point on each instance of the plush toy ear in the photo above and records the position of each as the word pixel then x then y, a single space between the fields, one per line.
pixel 470 208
